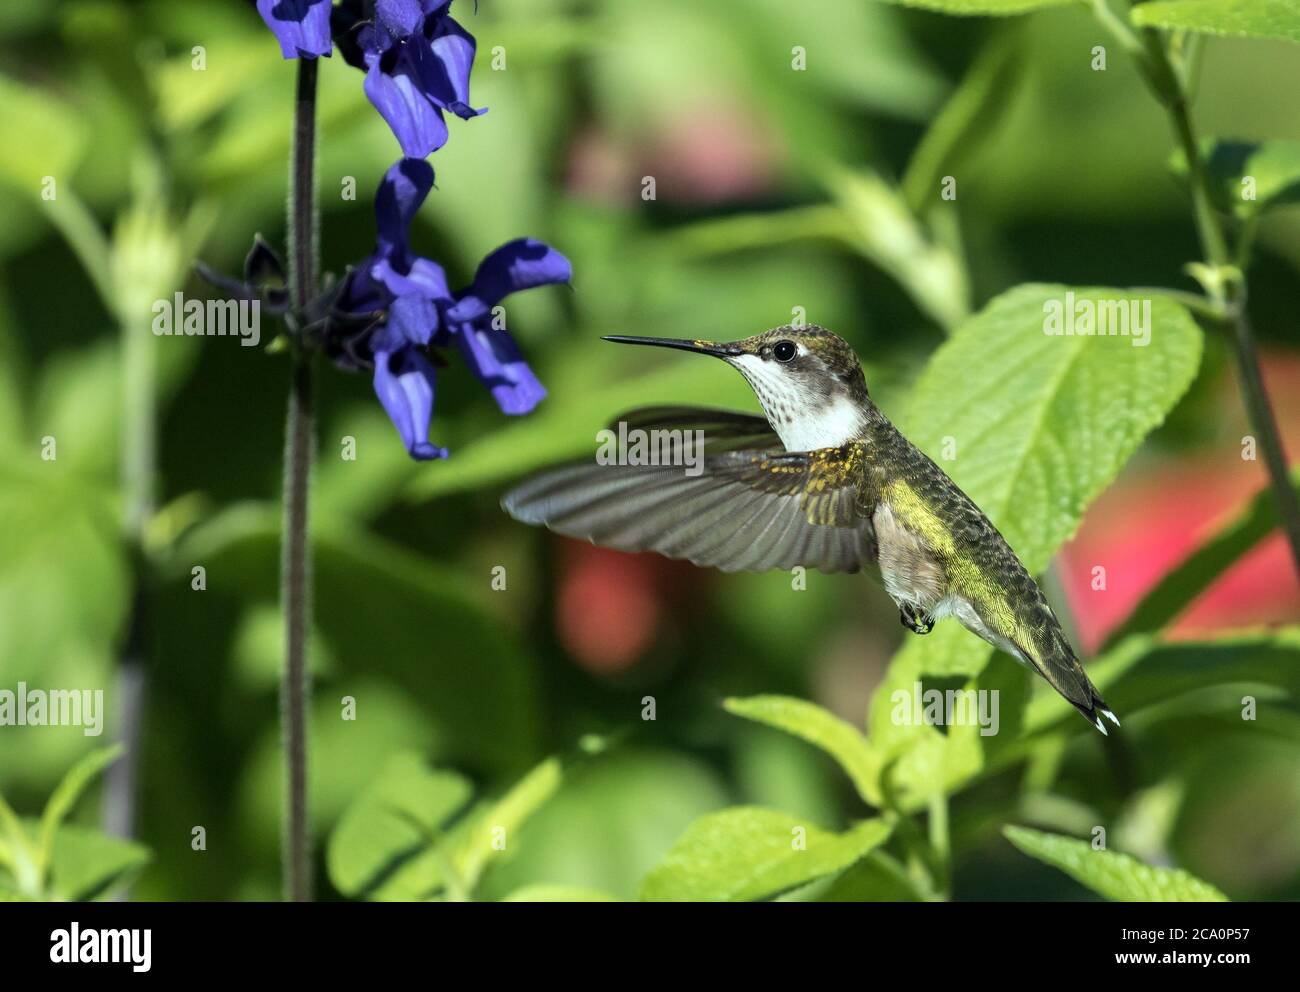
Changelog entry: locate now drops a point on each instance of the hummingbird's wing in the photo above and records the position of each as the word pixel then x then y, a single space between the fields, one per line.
pixel 721 429
pixel 746 510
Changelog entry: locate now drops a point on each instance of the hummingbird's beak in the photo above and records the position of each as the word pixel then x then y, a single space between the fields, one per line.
pixel 700 347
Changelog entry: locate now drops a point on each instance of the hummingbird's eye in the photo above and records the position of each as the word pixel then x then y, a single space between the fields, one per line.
pixel 784 351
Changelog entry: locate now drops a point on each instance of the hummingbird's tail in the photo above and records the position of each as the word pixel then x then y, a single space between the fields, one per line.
pixel 1095 710
pixel 1059 665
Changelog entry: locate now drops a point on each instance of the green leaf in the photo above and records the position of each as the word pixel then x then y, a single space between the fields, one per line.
pixel 1181 585
pixel 1238 18
pixel 78 402
pixel 52 138
pixel 838 738
pixel 613 820
pixel 747 853
pixel 1036 436
pixel 1032 436
pixel 80 228
pixel 865 57
pixel 1114 876
pixel 258 650
pixel 86 864
pixel 1033 426
pixel 557 893
pixel 494 829
pixel 876 878
pixel 969 7
pixel 395 840
pixel 60 544
pixel 399 817
pixel 67 793
pixel 17 854
pixel 188 97
pixel 345 755
pixel 919 759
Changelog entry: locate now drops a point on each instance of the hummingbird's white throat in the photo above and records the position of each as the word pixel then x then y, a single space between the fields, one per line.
pixel 802 422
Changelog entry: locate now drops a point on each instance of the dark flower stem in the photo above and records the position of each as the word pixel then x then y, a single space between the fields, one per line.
pixel 1230 294
pixel 295 565
pixel 121 780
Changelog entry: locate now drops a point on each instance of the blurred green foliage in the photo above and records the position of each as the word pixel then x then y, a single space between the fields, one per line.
pixel 778 192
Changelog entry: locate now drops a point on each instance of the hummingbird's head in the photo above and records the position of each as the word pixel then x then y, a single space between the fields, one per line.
pixel 807 379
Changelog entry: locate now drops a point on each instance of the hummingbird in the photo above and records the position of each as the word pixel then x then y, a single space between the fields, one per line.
pixel 822 480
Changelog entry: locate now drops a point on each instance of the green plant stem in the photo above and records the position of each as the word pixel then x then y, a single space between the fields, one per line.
pixel 939 844
pixel 1264 423
pixel 138 470
pixel 295 565
pixel 926 868
pixel 1171 88
pixel 1101 10
pixel 709 238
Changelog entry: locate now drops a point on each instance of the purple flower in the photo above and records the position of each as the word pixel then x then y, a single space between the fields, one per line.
pixel 410 311
pixel 486 345
pixel 417 61
pixel 301 26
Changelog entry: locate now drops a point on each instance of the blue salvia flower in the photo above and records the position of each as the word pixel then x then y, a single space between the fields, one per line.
pixel 417 61
pixel 301 26
pixel 410 311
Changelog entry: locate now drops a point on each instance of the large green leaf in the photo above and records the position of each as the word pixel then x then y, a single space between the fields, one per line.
pixel 1038 424
pixel 1041 423
pixel 748 853
pixel 1115 876
pixel 1241 18
pixel 838 738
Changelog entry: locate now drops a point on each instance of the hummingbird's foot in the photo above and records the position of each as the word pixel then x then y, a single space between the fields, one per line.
pixel 915 619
